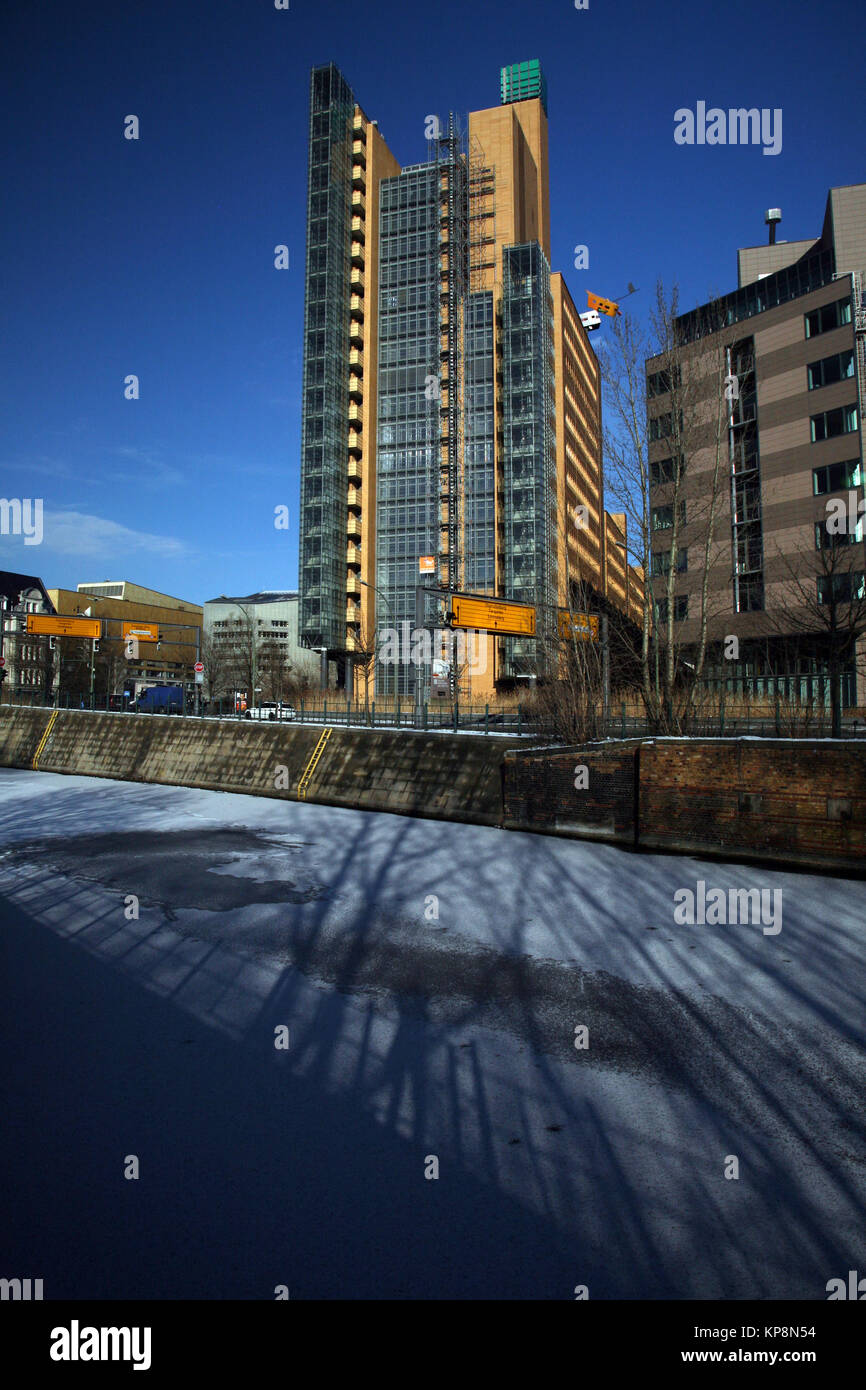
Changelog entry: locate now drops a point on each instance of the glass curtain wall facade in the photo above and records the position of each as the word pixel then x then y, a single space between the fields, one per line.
pixel 324 428
pixel 408 402
pixel 480 514
pixel 529 440
pixel 421 425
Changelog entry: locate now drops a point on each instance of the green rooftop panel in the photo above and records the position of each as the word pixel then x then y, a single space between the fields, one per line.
pixel 520 81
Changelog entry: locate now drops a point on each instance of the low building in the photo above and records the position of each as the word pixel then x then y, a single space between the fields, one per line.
pixel 786 592
pixel 148 638
pixel 27 659
pixel 251 647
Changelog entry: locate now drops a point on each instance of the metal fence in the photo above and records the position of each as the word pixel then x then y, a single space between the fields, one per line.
pixel 393 714
pixel 515 720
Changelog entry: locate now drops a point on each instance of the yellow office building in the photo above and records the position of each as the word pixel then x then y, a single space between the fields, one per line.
pixel 451 429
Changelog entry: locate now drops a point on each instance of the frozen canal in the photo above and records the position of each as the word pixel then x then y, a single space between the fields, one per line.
pixel 431 977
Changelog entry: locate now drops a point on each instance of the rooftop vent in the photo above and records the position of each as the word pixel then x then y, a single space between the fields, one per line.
pixel 771 217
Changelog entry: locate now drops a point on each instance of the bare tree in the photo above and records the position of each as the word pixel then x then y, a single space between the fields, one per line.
pixel 214 658
pixel 274 670
pixel 363 655
pixel 110 668
pixel 569 707
pixel 689 382
pixel 242 652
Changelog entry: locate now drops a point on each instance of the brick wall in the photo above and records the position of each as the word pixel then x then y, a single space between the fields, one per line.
pixel 539 792
pixel 791 802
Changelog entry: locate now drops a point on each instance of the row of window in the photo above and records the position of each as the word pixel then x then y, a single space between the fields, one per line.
pixel 663 517
pixel 826 539
pixel 659 383
pixel 661 426
pixel 829 370
pixel 831 423
pixel 847 587
pixel 661 562
pixel 835 477
pixel 665 471
pixel 681 609
pixel 781 287
pixel 828 317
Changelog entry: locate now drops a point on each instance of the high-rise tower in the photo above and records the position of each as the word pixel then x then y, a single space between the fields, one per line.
pixel 451 395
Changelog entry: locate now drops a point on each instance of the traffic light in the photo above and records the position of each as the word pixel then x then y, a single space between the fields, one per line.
pixel 52 644
pixel 3 673
pixel 95 645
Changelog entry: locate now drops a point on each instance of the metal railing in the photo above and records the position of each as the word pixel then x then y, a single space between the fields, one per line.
pixel 626 721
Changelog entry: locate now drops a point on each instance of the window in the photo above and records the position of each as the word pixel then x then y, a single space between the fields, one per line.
pixel 660 426
pixel 828 317
pixel 834 477
pixel 660 382
pixel 663 517
pixel 746 501
pixel 750 596
pixel 833 422
pixel 829 370
pixel 826 539
pixel 665 471
pixel 841 588
pixel 681 609
pixel 661 562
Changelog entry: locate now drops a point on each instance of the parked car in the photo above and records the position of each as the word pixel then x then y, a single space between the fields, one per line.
pixel 271 709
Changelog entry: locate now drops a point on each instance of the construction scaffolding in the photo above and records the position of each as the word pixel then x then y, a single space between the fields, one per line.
pixel 448 153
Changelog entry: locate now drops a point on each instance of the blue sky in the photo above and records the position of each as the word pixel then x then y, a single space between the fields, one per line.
pixel 155 256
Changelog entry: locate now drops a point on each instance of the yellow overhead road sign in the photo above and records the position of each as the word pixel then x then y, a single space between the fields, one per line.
pixel 494 615
pixel 583 627
pixel 145 632
pixel 603 306
pixel 56 626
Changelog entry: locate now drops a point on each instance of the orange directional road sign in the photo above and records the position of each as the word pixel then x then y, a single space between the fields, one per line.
pixel 56 626
pixel 583 627
pixel 145 632
pixel 493 615
pixel 604 306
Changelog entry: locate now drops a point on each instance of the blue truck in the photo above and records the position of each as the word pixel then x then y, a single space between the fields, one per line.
pixel 160 699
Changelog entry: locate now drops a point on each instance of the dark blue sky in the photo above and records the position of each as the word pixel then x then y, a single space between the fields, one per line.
pixel 155 257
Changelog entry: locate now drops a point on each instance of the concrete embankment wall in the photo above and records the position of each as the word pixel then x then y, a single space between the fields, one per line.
pixel 447 776
pixel 792 802
pixel 800 803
